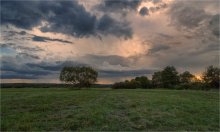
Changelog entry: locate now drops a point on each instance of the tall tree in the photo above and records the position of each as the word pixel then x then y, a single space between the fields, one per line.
pixel 144 82
pixel 157 79
pixel 186 77
pixel 79 76
pixel 169 77
pixel 211 76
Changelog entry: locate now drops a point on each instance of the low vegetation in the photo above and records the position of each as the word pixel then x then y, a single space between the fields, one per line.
pixel 170 78
pixel 62 109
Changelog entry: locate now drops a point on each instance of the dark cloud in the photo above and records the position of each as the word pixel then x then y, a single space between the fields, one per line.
pixel 13 35
pixel 57 66
pixel 6 45
pixel 192 62
pixel 12 69
pixel 119 5
pixel 206 49
pixel 124 73
pixel 22 14
pixel 39 39
pixel 45 39
pixel 107 25
pixel 16 70
pixel 157 48
pixel 196 21
pixel 144 11
pixel 27 36
pixel 111 59
pixel 67 17
pixel 186 16
pixel 18 76
pixel 22 32
pixel 214 25
pixel 158 7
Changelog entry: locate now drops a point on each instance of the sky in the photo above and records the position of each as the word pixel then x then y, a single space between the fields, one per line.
pixel 121 39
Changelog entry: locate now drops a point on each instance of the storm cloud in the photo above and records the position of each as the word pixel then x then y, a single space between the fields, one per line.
pixel 25 15
pixel 111 59
pixel 67 17
pixel 123 73
pixel 108 25
pixel 11 68
pixel 119 5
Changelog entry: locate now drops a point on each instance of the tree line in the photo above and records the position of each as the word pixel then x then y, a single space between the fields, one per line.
pixel 170 78
pixel 166 78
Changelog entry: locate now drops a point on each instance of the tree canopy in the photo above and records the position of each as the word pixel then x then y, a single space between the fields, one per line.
pixel 144 82
pixel 186 77
pixel 79 76
pixel 211 76
pixel 169 77
pixel 157 79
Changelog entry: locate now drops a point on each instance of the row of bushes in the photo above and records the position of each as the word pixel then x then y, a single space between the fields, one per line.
pixel 138 82
pixel 133 84
pixel 170 78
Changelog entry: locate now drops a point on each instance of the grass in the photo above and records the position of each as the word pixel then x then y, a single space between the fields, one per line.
pixel 57 109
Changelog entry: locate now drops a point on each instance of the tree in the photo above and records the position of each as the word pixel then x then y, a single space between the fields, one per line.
pixel 157 79
pixel 79 76
pixel 134 84
pixel 211 76
pixel 144 82
pixel 186 77
pixel 169 77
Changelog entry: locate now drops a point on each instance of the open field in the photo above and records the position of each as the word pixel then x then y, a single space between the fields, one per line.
pixel 107 109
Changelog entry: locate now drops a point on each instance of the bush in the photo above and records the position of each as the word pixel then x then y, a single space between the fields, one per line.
pixel 127 85
pixel 193 86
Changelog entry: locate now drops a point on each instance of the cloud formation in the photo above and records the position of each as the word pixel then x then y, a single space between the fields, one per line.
pixel 186 16
pixel 119 5
pixel 108 25
pixel 45 39
pixel 144 11
pixel 120 38
pixel 214 25
pixel 67 17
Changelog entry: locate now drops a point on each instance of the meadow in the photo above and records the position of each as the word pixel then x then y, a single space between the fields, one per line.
pixel 63 109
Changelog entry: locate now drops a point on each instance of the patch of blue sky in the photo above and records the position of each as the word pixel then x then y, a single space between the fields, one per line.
pixel 7 51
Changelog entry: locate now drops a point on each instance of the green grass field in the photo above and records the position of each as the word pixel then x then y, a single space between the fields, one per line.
pixel 106 109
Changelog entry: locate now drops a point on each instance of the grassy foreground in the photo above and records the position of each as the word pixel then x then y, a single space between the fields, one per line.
pixel 106 109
